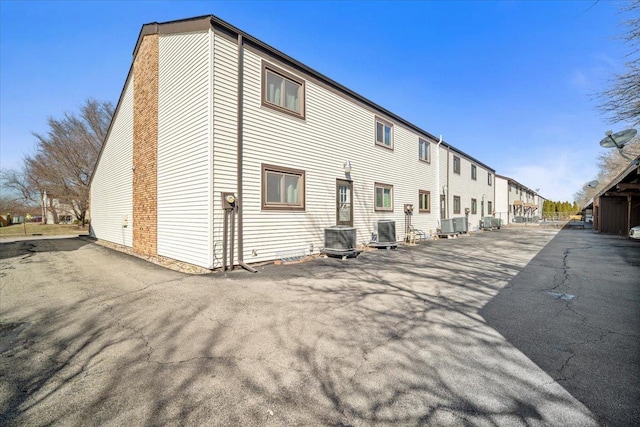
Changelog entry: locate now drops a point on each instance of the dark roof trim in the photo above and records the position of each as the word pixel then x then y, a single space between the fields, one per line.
pixel 622 175
pixel 524 187
pixel 190 25
pixel 203 23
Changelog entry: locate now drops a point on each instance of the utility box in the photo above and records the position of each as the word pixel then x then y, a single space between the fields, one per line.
pixel 385 229
pixel 340 240
pixel 446 226
pixel 460 224
pixel 487 222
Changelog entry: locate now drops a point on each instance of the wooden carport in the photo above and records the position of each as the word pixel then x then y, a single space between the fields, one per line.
pixel 617 208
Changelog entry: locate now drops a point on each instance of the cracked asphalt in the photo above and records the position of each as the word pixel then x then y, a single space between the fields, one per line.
pixel 450 332
pixel 587 337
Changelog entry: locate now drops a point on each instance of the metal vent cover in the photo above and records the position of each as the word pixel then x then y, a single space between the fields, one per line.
pixel 340 237
pixel 386 230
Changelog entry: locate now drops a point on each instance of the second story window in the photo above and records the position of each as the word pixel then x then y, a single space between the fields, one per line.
pixel 489 179
pixel 456 204
pixel 456 164
pixel 423 150
pixel 474 172
pixel 384 133
pixel 282 91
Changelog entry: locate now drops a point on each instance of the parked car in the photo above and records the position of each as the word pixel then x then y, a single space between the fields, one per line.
pixel 634 233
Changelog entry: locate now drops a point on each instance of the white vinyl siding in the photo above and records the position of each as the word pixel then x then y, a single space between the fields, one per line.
pixel 502 198
pixel 225 137
pixel 468 188
pixel 184 156
pixel 112 186
pixel 335 130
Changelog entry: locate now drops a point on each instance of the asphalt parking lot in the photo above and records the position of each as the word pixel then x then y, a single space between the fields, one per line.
pixel 421 335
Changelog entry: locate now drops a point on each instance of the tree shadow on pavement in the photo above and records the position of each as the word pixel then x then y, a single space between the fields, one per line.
pixel 387 338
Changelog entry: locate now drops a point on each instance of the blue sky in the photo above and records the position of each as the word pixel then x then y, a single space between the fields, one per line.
pixel 510 83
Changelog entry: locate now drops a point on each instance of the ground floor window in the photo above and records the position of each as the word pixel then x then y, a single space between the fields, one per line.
pixel 489 207
pixel 282 188
pixel 474 206
pixel 456 204
pixel 383 197
pixel 424 201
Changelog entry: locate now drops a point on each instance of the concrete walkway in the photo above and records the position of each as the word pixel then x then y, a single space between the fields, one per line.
pixel 94 337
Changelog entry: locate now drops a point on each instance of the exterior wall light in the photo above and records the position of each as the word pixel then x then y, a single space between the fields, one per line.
pixel 347 167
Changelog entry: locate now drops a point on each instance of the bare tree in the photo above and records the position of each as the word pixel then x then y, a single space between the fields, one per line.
pixel 66 155
pixel 621 104
pixel 610 164
pixel 20 188
pixel 621 101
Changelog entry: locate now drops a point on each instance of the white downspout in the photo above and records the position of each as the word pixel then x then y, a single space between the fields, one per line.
pixel 438 179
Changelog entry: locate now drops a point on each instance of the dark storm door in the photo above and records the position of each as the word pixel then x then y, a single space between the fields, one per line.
pixel 344 202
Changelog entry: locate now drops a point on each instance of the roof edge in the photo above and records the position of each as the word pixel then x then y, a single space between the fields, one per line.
pixel 205 22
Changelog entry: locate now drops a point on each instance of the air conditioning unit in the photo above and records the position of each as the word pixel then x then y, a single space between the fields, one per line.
pixel 385 229
pixel 446 226
pixel 487 222
pixel 340 238
pixel 460 224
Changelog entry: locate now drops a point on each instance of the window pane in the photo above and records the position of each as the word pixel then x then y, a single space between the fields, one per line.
pixel 424 150
pixel 274 186
pixel 387 135
pixel 292 91
pixel 424 201
pixel 291 183
pixel 379 197
pixel 379 132
pixel 387 197
pixel 274 88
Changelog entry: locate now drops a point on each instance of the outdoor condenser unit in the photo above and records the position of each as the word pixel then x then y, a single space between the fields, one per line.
pixel 446 226
pixel 386 230
pixel 460 224
pixel 487 222
pixel 340 238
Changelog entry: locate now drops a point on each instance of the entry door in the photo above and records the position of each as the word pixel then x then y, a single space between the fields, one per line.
pixel 443 213
pixel 344 202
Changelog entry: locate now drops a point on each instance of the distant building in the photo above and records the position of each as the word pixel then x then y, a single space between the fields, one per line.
pixel 57 212
pixel 516 203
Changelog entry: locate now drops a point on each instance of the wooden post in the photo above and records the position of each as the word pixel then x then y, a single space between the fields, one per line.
pixel 628 212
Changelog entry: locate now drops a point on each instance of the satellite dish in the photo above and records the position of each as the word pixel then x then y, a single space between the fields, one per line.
pixel 593 184
pixel 618 139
